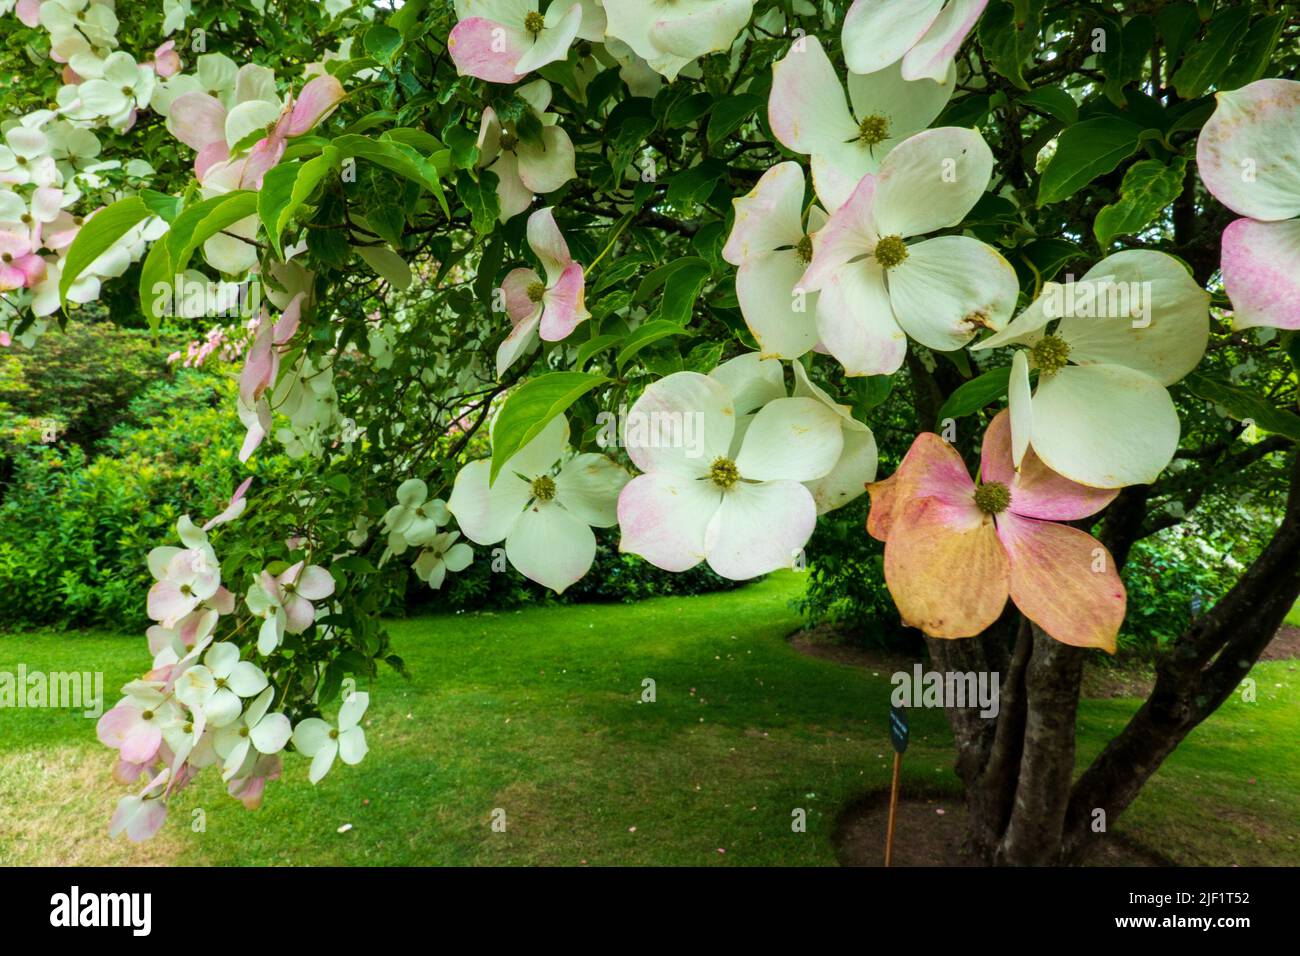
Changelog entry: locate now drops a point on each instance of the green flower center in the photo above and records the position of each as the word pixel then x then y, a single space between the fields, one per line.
pixel 534 22
pixel 221 683
pixel 724 473
pixel 334 734
pixel 6 257
pixel 873 130
pixel 244 731
pixel 508 140
pixel 804 250
pixel 1050 354
pixel 543 487
pixel 890 251
pixel 993 498
pixel 147 715
pixel 535 292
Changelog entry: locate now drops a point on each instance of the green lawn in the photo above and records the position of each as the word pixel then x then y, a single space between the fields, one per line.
pixel 538 713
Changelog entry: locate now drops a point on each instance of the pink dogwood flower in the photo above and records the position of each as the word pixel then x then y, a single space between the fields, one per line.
pixel 771 246
pixel 134 727
pixel 20 266
pixel 1246 156
pixel 166 61
pixel 284 602
pixel 503 40
pixel 234 509
pixel 955 550
pixel 924 34
pixel 250 789
pixel 185 578
pixel 525 166
pixel 141 816
pixel 551 309
pixel 200 121
pixel 317 100
pixel 261 368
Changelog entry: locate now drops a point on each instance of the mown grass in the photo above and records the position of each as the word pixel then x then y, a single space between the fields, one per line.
pixel 538 714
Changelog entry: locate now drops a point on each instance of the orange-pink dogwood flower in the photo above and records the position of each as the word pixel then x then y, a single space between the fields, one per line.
pixel 955 550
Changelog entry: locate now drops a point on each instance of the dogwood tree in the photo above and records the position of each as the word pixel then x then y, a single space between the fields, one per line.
pixel 487 228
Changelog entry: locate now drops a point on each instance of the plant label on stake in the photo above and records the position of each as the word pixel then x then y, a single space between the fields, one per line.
pixel 897 738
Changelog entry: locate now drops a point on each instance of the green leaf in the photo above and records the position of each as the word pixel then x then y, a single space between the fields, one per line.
pixel 871 390
pixel 971 396
pixel 730 113
pixel 155 272
pixel 489 265
pixel 1050 255
pixel 409 17
pixel 688 110
pixel 286 187
pixel 162 205
pixel 967 111
pixel 1245 405
pixel 682 291
pixel 1253 55
pixel 1148 187
pixel 417 139
pixel 1126 52
pixel 695 184
pixel 1008 42
pixel 480 198
pixel 1209 57
pixel 182 240
pixel 171 254
pixel 645 334
pixel 1053 101
pixel 531 407
pixel 1085 151
pixel 659 276
pixel 382 42
pixel 395 156
pixel 592 347
pixel 97 236
pixel 1177 24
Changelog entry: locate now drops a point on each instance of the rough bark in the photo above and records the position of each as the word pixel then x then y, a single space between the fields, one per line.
pixel 1203 667
pixel 1033 834
pixel 1018 770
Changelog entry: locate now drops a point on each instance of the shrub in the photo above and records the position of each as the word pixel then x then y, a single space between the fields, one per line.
pixel 75 529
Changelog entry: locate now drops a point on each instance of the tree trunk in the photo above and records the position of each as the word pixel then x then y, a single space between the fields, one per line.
pixel 1017 769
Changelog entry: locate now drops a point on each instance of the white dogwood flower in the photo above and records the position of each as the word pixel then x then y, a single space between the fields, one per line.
pixel 257 732
pixel 443 553
pixel 924 35
pixel 1101 416
pixel 216 686
pixel 544 517
pixel 877 289
pixel 317 739
pixel 669 34
pixel 809 115
pixel 737 502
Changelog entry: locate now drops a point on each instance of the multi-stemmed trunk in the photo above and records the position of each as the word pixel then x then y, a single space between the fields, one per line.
pixel 1026 805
